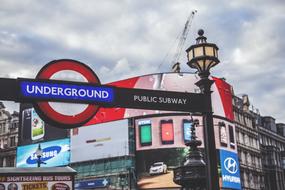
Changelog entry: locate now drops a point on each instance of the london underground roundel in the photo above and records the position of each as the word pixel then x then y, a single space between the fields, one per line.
pixel 52 113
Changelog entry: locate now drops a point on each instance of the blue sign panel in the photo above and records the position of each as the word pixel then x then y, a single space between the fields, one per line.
pixel 230 170
pixel 55 153
pixel 97 183
pixel 61 91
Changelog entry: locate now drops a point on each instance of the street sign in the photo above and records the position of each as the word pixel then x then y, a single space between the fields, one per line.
pixel 49 113
pixel 109 96
pixel 97 183
pixel 44 89
pixel 160 100
pixel 81 92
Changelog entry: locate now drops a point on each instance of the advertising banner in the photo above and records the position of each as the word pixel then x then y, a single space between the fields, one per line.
pixel 100 141
pixel 166 136
pixel 55 153
pixel 36 182
pixel 230 172
pixel 34 130
pixel 178 82
pixel 164 132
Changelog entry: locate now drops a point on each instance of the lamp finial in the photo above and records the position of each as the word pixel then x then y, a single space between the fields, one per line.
pixel 200 32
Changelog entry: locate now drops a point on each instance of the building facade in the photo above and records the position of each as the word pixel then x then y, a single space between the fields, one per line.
pixel 247 133
pixel 124 162
pixel 261 144
pixel 8 137
pixel 272 143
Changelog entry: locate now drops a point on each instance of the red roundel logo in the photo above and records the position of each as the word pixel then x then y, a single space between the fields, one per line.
pixel 53 114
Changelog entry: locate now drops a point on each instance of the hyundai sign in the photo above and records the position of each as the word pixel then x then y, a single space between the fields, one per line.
pixel 230 170
pixel 55 153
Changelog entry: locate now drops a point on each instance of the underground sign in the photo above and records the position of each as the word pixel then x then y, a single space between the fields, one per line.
pixel 49 112
pixel 68 102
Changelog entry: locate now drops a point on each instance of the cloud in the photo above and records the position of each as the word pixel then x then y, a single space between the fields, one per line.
pixel 129 38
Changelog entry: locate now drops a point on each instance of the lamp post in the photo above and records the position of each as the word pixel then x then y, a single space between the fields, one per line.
pixel 192 174
pixel 203 56
pixel 39 154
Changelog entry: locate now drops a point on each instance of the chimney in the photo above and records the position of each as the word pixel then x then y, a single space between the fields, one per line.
pixel 245 102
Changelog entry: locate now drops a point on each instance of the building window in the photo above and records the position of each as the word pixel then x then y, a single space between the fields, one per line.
pixel 223 134
pixel 253 161
pixel 12 141
pixel 249 159
pixel 10 161
pixel 3 128
pixel 1 161
pixel 246 139
pixel 232 137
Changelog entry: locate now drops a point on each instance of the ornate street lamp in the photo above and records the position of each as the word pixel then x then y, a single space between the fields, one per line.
pixel 192 174
pixel 203 56
pixel 39 154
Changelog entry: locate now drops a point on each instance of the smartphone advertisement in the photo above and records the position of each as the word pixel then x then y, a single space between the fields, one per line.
pixel 37 125
pixel 145 132
pixel 164 132
pixel 33 129
pixel 187 125
pixel 160 146
pixel 167 132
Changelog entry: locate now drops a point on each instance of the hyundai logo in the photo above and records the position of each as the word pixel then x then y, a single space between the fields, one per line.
pixel 231 165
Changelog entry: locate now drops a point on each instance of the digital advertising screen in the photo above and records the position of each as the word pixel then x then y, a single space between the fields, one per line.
pixel 168 135
pixel 145 132
pixel 187 125
pixel 32 129
pixel 167 131
pixel 164 132
pixel 101 141
pixel 55 153
pixel 164 136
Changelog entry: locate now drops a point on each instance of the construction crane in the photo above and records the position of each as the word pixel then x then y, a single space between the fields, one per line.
pixel 175 64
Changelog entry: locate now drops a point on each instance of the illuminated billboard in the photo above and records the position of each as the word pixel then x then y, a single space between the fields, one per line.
pixel 166 135
pixel 170 131
pixel 34 130
pixel 179 82
pixel 55 153
pixel 100 141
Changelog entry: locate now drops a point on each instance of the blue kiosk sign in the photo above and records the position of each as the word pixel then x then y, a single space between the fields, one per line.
pixel 44 89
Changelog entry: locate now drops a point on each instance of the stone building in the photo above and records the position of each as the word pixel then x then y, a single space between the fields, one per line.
pixel 8 137
pixel 247 133
pixel 272 142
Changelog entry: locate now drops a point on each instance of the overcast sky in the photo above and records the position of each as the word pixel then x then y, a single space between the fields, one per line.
pixel 126 38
